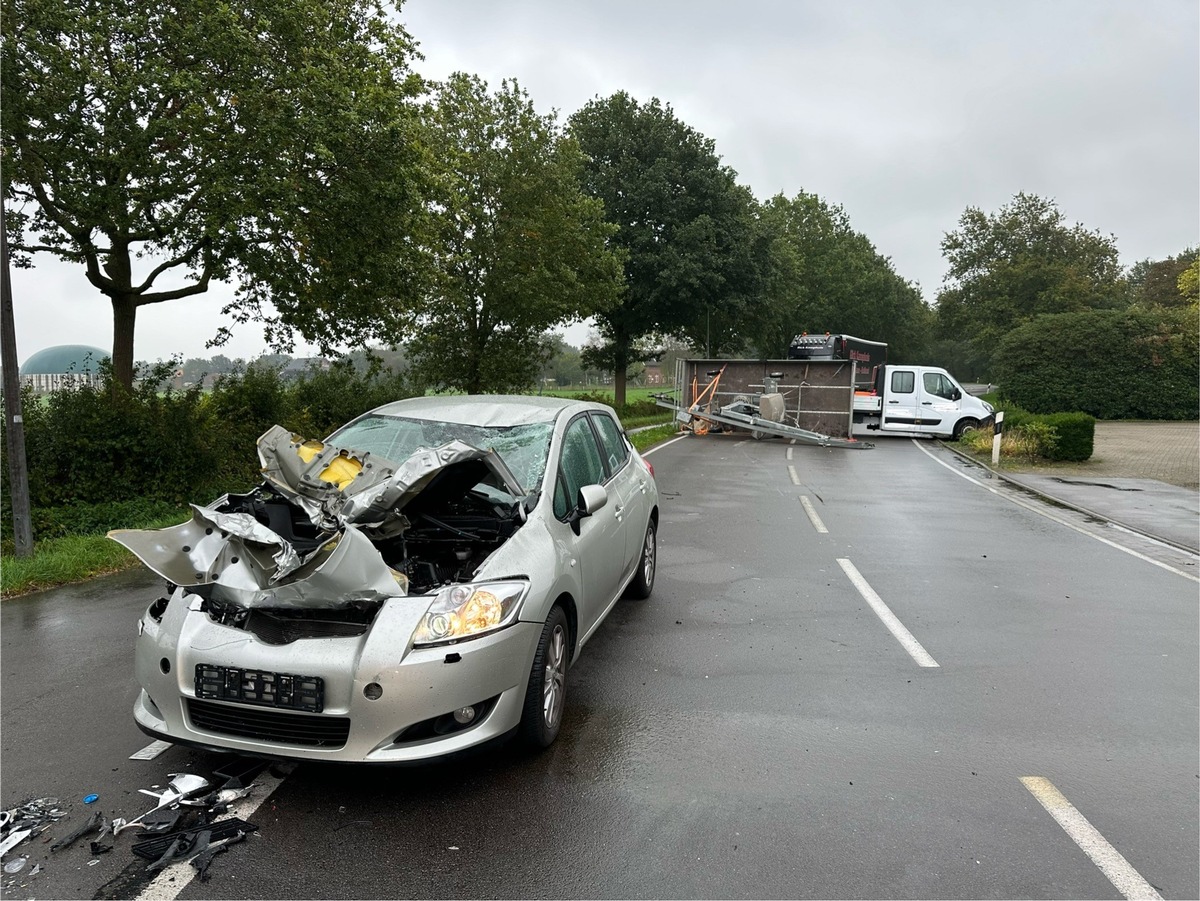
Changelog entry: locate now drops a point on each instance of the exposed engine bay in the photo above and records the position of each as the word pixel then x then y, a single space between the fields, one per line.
pixel 332 532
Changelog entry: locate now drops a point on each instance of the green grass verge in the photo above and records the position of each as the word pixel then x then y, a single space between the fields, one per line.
pixel 650 437
pixel 59 561
pixel 636 422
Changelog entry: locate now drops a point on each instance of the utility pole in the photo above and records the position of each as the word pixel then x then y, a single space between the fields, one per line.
pixel 14 425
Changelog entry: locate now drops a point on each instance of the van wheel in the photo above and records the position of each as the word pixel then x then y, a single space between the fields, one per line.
pixel 963 426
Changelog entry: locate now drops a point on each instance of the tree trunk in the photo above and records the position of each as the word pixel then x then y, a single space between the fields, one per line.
pixel 124 315
pixel 14 423
pixel 620 367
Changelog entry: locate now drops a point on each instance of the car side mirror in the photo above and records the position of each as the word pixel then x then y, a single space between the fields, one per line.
pixel 955 394
pixel 591 499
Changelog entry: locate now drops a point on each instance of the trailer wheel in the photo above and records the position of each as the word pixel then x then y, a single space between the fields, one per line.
pixel 963 426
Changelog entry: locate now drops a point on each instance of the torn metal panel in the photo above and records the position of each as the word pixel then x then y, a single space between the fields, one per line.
pixel 232 549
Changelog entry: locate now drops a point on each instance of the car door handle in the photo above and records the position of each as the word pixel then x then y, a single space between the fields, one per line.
pixel 893 401
pixel 618 510
pixel 926 403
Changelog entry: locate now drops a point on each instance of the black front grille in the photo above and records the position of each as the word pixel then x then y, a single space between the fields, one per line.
pixel 268 725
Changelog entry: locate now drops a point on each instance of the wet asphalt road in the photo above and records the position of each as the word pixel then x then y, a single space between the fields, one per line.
pixel 752 730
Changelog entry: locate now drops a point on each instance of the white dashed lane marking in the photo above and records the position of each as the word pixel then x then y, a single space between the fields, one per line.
pixel 902 635
pixel 1124 877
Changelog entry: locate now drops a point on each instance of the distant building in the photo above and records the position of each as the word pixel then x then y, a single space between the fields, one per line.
pixel 653 375
pixel 63 366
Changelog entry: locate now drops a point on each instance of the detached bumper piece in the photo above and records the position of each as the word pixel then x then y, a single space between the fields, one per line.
pixel 153 849
pixel 257 724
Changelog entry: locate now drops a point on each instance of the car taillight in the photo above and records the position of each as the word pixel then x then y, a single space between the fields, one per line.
pixel 649 467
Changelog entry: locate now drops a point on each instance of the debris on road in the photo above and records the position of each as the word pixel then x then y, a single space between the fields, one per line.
pixel 97 822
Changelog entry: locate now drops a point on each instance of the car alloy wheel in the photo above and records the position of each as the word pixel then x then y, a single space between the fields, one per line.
pixel 554 680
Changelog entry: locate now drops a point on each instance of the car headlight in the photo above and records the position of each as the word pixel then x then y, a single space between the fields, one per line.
pixel 467 611
pixel 989 407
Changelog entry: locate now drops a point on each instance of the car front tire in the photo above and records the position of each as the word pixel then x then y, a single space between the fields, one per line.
pixel 545 698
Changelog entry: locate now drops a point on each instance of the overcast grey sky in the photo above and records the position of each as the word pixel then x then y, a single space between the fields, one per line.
pixel 904 112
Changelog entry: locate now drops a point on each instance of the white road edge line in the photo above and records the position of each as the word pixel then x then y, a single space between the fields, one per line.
pixel 789 453
pixel 902 635
pixel 658 447
pixel 1124 877
pixel 812 515
pixel 793 475
pixel 1057 519
pixel 172 880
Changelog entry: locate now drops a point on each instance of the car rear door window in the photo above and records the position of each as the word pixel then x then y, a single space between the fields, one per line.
pixel 612 443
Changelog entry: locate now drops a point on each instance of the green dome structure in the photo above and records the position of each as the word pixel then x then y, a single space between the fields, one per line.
pixel 65 364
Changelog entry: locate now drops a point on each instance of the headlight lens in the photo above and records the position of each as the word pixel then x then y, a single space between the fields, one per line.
pixel 989 407
pixel 467 611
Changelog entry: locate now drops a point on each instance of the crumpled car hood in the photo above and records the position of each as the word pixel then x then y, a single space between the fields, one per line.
pixel 353 499
pixel 338 485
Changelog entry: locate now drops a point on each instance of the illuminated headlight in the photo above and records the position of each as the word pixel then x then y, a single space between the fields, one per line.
pixel 466 611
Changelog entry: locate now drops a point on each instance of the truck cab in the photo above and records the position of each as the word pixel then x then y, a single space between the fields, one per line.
pixel 918 400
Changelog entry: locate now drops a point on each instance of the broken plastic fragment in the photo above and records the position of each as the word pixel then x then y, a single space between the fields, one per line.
pixel 91 825
pixel 91 799
pixel 16 865
pixel 14 838
pixel 181 786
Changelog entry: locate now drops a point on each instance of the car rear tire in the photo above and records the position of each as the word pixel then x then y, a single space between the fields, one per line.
pixel 546 695
pixel 642 584
pixel 963 426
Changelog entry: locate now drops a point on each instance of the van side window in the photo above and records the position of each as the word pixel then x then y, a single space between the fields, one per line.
pixel 937 384
pixel 904 382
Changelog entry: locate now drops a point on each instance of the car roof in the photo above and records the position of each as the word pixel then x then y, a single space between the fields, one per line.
pixel 486 409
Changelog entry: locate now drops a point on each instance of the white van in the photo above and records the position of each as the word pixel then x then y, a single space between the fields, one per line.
pixel 918 400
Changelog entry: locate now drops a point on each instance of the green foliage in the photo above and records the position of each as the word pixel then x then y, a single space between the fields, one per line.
pixel 277 142
pixel 97 519
pixel 99 461
pixel 686 229
pixel 650 437
pixel 520 247
pixel 61 560
pixel 1008 267
pixel 1156 283
pixel 824 276
pixel 1132 364
pixel 1075 435
pixel 91 446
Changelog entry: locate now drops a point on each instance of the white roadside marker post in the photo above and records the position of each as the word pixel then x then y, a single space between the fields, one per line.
pixel 997 429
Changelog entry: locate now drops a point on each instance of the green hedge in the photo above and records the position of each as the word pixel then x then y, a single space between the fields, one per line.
pixel 100 460
pixel 1074 434
pixel 1124 364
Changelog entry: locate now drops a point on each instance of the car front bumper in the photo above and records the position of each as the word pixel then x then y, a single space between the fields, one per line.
pixel 375 687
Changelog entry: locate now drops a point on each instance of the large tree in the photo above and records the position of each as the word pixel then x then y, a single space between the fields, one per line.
pixel 685 226
pixel 822 276
pixel 168 145
pixel 1155 283
pixel 1022 261
pixel 519 247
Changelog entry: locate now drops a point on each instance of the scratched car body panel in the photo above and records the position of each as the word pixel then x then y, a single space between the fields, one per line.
pixel 412 586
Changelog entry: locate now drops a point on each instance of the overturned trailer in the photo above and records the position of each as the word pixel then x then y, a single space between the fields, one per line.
pixel 808 401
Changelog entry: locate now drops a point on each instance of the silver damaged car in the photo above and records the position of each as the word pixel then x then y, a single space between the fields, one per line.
pixel 414 585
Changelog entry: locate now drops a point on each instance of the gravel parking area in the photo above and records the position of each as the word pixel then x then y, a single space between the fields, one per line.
pixel 1166 451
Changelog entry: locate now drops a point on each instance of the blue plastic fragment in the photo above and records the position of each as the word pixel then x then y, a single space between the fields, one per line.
pixel 91 799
